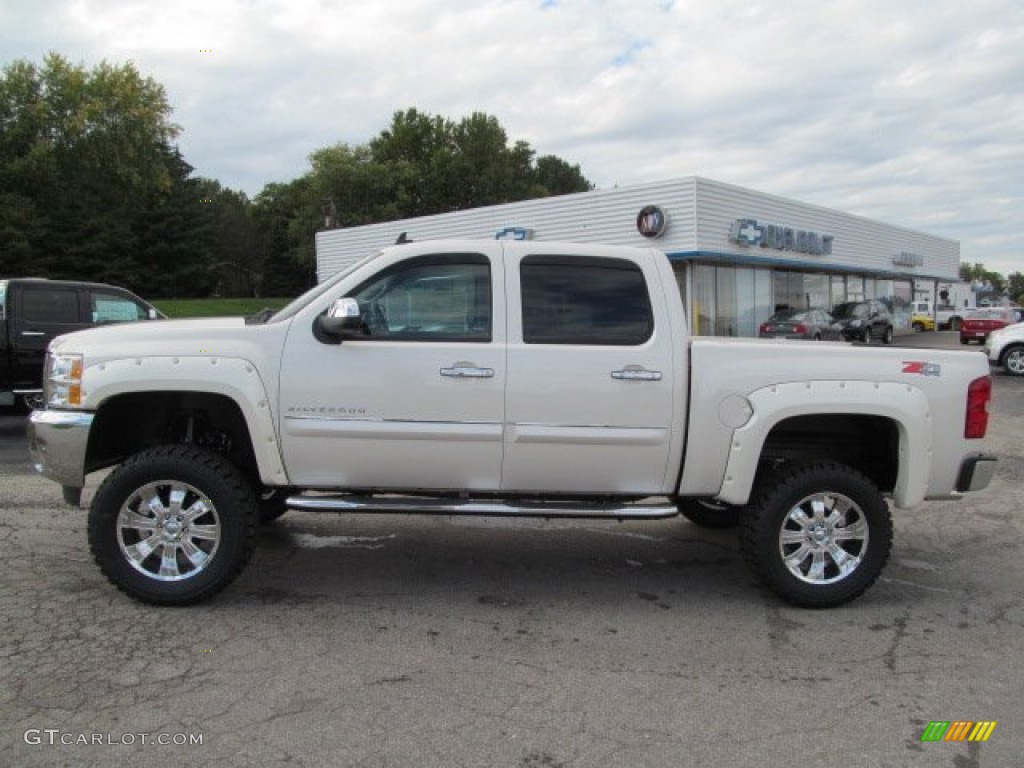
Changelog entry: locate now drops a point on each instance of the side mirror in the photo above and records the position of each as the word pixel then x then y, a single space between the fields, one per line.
pixel 342 320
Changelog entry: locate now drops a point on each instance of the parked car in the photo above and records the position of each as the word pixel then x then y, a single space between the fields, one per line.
pixel 815 324
pixel 35 310
pixel 1005 347
pixel 981 322
pixel 922 323
pixel 863 321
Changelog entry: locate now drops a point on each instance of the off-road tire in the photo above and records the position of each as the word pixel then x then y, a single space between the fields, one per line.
pixel 823 517
pixel 173 525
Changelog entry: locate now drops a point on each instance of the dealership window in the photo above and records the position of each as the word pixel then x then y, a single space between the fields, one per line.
pixel 703 293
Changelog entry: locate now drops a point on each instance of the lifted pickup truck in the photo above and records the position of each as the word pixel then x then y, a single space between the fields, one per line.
pixel 500 378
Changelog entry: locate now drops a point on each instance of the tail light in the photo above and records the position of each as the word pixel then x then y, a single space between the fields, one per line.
pixel 800 329
pixel 979 392
pixel 765 328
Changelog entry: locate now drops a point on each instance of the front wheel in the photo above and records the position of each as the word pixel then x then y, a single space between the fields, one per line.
pixel 865 336
pixel 1013 361
pixel 887 338
pixel 818 535
pixel 173 525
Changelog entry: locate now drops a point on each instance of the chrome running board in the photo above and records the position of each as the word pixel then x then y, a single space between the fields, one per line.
pixel 422 505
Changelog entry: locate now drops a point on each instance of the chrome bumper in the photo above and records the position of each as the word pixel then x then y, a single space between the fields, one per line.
pixel 57 442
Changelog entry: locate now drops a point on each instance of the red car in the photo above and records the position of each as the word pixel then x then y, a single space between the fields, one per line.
pixel 977 325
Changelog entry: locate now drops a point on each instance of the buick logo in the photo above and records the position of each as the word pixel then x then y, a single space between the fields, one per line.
pixel 651 221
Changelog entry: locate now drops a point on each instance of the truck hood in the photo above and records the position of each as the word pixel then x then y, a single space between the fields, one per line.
pixel 174 337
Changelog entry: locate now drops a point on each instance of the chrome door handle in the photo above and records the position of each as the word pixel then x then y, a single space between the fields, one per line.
pixel 33 333
pixel 468 372
pixel 636 374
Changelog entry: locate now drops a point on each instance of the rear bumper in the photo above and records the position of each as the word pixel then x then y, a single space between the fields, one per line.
pixel 976 472
pixel 57 442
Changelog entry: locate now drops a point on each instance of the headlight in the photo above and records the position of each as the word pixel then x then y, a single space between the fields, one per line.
pixel 63 385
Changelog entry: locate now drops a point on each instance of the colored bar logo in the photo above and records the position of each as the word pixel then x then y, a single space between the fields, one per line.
pixel 958 730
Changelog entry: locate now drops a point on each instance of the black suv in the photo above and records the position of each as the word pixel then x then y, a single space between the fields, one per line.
pixel 34 310
pixel 863 320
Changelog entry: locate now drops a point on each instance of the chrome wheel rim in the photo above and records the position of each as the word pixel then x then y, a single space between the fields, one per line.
pixel 168 530
pixel 823 538
pixel 1015 361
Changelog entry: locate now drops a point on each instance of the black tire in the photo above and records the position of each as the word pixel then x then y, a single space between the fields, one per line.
pixel 272 504
pixel 918 327
pixel 866 336
pixel 709 514
pixel 887 337
pixel 173 525
pixel 817 337
pixel 800 551
pixel 964 341
pixel 1013 360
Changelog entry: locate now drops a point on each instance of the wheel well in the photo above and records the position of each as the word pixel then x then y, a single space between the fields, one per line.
pixel 127 424
pixel 869 444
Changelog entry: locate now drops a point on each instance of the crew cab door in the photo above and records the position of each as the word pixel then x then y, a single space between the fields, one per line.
pixel 591 381
pixel 417 402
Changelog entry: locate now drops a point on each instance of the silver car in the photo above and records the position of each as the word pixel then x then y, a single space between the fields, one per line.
pixel 814 324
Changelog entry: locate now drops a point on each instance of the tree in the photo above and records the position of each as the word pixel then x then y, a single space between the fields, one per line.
pixel 421 164
pixel 90 185
pixel 1015 287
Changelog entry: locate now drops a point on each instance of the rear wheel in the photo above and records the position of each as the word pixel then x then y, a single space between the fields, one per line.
pixel 818 535
pixel 887 338
pixel 173 525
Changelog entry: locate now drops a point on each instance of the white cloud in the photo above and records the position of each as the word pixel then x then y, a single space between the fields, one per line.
pixel 911 113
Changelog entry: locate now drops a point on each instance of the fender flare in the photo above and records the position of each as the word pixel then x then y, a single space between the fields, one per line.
pixel 906 406
pixel 235 378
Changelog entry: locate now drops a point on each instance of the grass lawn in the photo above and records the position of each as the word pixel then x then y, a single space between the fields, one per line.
pixel 215 307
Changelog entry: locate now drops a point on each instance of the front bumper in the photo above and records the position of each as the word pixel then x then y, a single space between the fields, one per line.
pixel 57 442
pixel 976 472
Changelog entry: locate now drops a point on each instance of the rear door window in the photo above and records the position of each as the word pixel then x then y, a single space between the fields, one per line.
pixel 584 300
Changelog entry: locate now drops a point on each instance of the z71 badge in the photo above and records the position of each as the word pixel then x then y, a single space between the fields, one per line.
pixel 922 368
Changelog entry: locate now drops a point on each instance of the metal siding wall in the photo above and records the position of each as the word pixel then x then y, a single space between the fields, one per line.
pixel 700 213
pixel 603 216
pixel 859 243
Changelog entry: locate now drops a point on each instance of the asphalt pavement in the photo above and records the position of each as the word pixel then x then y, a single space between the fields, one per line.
pixel 406 641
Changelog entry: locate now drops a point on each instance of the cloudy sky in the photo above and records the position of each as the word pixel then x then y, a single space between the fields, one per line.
pixel 907 111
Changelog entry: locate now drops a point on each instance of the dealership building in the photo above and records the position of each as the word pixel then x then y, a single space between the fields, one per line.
pixel 738 254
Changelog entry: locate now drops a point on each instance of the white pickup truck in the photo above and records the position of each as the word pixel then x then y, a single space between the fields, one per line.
pixel 500 378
